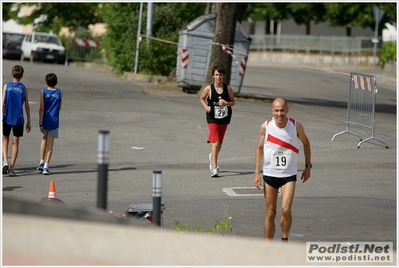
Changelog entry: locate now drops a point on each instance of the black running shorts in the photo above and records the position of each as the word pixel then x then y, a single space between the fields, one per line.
pixel 18 131
pixel 278 182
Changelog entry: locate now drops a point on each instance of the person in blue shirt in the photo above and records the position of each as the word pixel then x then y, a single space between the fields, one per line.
pixel 15 97
pixel 49 120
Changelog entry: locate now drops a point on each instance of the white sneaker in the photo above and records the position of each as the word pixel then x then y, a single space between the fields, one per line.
pixel 210 162
pixel 6 167
pixel 215 172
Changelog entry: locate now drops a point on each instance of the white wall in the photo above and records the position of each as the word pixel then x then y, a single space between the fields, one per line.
pixel 11 26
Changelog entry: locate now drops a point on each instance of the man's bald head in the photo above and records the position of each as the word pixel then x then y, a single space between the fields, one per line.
pixel 280 102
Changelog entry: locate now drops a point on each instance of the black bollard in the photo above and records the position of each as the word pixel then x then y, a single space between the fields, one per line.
pixel 103 151
pixel 156 197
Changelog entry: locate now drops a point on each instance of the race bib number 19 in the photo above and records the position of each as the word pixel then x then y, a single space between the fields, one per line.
pixel 221 112
pixel 281 159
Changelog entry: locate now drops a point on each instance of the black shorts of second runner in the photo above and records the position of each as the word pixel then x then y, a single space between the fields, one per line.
pixel 17 131
pixel 278 182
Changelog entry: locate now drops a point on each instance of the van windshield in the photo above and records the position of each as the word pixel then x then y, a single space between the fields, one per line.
pixel 13 37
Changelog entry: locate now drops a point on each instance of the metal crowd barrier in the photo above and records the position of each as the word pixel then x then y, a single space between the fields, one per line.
pixel 361 106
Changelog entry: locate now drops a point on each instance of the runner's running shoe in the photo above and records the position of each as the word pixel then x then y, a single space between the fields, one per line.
pixel 6 167
pixel 46 171
pixel 40 167
pixel 215 172
pixel 11 173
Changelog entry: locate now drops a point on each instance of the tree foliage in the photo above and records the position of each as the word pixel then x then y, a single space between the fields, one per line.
pixel 122 21
pixel 340 14
pixel 305 13
pixel 387 53
pixel 73 15
pixel 9 11
pixel 48 16
pixel 119 41
pixel 358 14
pixel 158 57
pixel 267 12
pixel 349 15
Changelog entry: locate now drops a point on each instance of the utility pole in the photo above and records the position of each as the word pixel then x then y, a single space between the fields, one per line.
pixel 138 39
pixel 149 21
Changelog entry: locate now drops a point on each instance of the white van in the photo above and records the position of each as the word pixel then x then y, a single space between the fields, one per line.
pixel 43 46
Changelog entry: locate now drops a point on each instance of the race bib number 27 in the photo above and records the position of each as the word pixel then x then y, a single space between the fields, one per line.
pixel 221 112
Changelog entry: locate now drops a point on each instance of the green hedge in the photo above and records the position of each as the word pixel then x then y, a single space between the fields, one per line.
pixel 387 53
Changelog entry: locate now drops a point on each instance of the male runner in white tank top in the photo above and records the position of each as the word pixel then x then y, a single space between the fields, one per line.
pixel 279 147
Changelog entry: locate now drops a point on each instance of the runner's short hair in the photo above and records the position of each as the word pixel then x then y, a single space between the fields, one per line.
pixel 220 68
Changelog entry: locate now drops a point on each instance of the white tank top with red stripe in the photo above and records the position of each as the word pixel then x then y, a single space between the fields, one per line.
pixel 280 149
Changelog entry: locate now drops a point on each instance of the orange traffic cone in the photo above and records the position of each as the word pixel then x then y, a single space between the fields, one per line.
pixel 52 196
pixel 51 192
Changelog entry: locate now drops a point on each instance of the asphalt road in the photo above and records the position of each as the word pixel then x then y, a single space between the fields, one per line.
pixel 351 195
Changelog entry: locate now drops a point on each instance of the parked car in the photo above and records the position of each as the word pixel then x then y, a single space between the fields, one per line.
pixel 12 45
pixel 43 47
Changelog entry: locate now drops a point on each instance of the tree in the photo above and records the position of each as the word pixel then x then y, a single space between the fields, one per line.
pixel 390 14
pixel 347 15
pixel 48 16
pixel 267 12
pixel 159 57
pixel 120 39
pixel 210 8
pixel 227 15
pixel 351 15
pixel 366 18
pixel 305 13
pixel 187 11
pixel 9 11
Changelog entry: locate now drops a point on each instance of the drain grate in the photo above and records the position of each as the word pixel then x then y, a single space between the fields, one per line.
pixel 243 191
pixel 247 191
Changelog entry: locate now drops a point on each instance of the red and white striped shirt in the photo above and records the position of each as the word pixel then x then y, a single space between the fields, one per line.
pixel 280 149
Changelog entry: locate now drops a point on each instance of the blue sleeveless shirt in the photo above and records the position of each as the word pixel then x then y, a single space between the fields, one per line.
pixel 52 102
pixel 14 99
